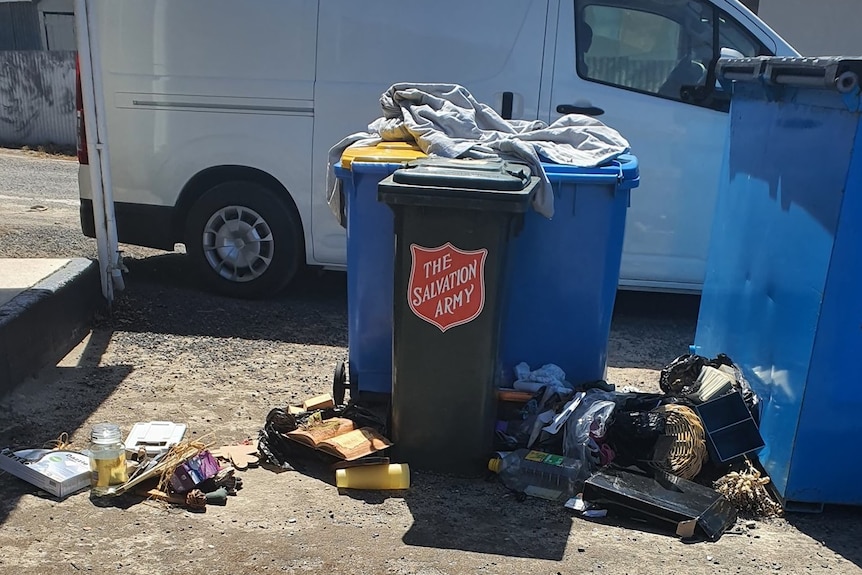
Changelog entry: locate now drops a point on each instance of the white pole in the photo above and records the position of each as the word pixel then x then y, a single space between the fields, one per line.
pixel 88 96
pixel 104 152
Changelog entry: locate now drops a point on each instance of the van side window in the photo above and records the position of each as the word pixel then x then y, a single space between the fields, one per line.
pixel 732 35
pixel 664 48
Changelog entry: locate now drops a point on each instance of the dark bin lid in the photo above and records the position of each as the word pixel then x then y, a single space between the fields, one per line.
pixel 494 174
pixel 471 184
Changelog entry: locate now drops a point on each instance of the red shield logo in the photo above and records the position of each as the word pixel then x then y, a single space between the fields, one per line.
pixel 447 285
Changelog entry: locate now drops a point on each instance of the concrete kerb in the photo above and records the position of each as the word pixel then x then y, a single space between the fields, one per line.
pixel 40 325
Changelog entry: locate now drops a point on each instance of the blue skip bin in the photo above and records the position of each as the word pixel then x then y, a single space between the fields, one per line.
pixel 782 290
pixel 563 273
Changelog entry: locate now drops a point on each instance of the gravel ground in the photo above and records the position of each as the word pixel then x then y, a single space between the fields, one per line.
pixel 170 351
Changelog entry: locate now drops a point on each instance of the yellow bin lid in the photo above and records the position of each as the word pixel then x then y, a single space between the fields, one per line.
pixel 382 153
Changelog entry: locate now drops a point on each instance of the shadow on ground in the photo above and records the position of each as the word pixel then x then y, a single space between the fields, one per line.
pixel 649 330
pixel 59 399
pixel 163 296
pixel 452 513
pixel 838 528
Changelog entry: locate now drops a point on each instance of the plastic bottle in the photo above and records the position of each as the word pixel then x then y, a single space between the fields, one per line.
pixel 383 476
pixel 538 474
pixel 107 459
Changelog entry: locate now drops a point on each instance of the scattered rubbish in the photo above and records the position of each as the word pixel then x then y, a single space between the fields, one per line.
pixel 369 460
pixel 318 431
pixel 59 472
pixel 194 471
pixel 154 436
pixel 350 445
pixel 730 429
pixel 687 451
pixel 538 474
pixel 586 430
pixel 587 510
pixel 548 375
pixel 595 513
pixel 682 504
pixel 374 477
pixel 635 434
pixel 352 435
pixel 746 490
pixel 712 382
pixel 274 447
pixel 324 401
pixel 38 208
pixel 513 395
pixel 107 459
pixel 576 503
pixel 160 467
pixel 558 421
pixel 680 375
pixel 241 456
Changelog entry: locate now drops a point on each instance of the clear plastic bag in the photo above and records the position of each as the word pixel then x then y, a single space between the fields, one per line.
pixel 587 428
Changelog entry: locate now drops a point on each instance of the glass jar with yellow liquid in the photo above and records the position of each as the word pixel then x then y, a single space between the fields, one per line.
pixel 107 459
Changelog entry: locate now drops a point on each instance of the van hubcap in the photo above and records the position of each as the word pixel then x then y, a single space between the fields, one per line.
pixel 238 243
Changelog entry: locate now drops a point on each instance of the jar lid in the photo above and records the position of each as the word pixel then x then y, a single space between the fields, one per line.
pixel 105 433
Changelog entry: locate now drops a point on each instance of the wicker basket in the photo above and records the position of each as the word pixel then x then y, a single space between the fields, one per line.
pixel 688 453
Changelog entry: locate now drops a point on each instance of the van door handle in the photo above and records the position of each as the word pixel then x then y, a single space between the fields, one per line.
pixel 585 110
pixel 508 101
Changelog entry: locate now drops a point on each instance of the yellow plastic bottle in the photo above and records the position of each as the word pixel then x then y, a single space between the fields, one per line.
pixel 383 476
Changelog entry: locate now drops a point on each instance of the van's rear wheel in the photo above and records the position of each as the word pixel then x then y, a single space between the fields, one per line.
pixel 244 241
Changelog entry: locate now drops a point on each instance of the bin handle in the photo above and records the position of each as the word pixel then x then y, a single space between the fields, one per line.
pixel 620 175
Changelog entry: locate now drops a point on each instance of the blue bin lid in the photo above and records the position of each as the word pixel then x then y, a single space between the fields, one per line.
pixel 622 172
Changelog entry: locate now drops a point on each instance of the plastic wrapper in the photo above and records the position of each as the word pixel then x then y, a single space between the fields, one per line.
pixel 586 431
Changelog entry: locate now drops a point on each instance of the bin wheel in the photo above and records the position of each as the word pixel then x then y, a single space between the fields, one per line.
pixel 339 383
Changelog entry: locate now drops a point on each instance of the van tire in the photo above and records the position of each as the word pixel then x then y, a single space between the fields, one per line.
pixel 243 240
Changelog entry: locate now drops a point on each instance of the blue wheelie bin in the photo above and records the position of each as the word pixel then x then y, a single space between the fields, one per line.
pixel 781 295
pixel 561 281
pixel 563 273
pixel 370 268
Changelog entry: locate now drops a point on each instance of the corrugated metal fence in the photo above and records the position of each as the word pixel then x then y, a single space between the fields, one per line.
pixel 37 98
pixel 19 26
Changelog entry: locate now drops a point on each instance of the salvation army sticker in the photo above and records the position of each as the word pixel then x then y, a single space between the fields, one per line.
pixel 447 285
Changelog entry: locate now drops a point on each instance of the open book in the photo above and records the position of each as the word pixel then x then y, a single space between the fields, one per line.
pixel 339 437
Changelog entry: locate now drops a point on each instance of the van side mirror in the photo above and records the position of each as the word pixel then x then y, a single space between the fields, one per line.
pixel 731 53
pixel 726 52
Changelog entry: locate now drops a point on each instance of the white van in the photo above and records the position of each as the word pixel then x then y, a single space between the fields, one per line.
pixel 220 113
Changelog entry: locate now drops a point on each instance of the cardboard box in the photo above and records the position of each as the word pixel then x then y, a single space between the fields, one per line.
pixel 58 472
pixel 324 401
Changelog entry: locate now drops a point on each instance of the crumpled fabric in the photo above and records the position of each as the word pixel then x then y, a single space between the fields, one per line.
pixel 548 375
pixel 446 121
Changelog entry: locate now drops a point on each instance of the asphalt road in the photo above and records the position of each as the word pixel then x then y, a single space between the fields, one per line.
pixel 39 208
pixel 27 177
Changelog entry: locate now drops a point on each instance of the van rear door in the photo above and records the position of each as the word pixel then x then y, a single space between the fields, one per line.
pixel 488 46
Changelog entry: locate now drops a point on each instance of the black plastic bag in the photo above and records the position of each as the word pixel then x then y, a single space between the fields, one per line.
pixel 275 448
pixel 374 417
pixel 634 434
pixel 680 376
